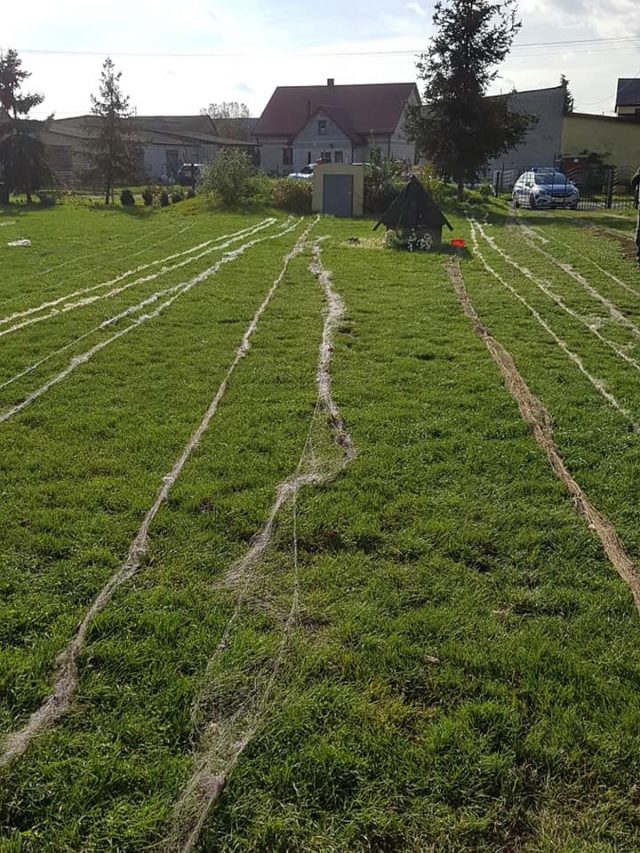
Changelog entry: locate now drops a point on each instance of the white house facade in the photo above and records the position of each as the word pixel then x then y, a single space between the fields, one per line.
pixel 341 124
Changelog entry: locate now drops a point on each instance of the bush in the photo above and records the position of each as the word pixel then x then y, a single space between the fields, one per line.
pixel 441 192
pixel 382 183
pixel 191 193
pixel 127 199
pixel 163 198
pixel 229 176
pixel 48 199
pixel 147 197
pixel 292 196
pixel 177 195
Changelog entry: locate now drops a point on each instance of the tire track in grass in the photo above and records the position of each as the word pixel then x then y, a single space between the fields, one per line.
pixel 597 383
pixel 224 741
pixel 614 312
pixel 66 676
pixel 125 313
pixel 72 306
pixel 543 286
pixel 537 418
pixel 177 291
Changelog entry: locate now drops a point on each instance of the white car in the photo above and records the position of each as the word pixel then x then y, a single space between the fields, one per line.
pixel 305 174
pixel 542 188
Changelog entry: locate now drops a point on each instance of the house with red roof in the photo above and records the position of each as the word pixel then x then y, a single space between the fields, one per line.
pixel 304 124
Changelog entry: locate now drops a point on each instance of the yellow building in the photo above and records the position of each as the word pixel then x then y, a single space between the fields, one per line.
pixel 617 139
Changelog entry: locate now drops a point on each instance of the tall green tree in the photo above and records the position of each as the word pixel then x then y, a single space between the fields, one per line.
pixel 110 149
pixel 568 97
pixel 460 129
pixel 23 163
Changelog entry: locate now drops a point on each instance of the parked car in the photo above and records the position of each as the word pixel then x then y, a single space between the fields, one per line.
pixel 542 187
pixel 305 174
pixel 185 178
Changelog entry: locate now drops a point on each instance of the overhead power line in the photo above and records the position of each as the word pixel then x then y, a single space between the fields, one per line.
pixel 614 42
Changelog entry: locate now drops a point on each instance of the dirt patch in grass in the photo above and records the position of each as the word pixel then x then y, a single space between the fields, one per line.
pixel 536 416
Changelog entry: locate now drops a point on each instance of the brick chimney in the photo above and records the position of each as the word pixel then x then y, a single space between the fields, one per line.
pixel 331 82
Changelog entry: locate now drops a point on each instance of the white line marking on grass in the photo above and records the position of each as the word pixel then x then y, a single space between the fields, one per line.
pixel 66 677
pixel 177 291
pixel 119 249
pixel 598 384
pixel 72 306
pixel 536 416
pixel 601 269
pixel 543 286
pixel 224 742
pixel 611 307
pixel 114 319
pixel 67 296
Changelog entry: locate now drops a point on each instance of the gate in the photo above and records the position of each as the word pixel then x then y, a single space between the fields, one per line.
pixel 338 195
pixel 604 187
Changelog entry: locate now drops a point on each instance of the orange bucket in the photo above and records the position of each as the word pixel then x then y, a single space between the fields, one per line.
pixel 458 244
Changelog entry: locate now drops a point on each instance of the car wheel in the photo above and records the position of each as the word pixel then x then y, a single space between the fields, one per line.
pixel 573 206
pixel 515 201
pixel 532 202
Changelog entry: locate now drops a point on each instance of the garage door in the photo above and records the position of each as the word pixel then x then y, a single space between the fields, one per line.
pixel 337 195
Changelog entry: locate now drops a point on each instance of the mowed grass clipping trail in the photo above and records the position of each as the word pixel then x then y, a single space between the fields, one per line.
pixel 432 651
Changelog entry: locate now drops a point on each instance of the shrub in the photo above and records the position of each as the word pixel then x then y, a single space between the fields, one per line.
pixel 147 197
pixel 48 199
pixel 177 195
pixel 191 193
pixel 163 198
pixel 228 176
pixel 292 196
pixel 127 199
pixel 441 191
pixel 382 183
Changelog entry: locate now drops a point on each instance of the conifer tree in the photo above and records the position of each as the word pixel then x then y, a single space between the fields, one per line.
pixel 460 129
pixel 23 163
pixel 110 150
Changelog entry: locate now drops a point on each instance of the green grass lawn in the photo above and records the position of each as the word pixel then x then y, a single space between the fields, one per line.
pixel 462 672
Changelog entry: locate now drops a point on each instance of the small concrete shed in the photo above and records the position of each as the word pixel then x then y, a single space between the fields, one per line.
pixel 338 189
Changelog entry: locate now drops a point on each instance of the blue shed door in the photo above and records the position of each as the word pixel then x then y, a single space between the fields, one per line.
pixel 338 195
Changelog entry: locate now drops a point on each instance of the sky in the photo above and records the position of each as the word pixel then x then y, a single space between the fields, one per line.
pixel 176 58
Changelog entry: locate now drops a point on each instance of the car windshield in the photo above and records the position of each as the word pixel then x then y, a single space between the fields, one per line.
pixel 547 178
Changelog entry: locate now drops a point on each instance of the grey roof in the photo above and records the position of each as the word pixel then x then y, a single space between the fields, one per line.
pixel 628 92
pixel 158 130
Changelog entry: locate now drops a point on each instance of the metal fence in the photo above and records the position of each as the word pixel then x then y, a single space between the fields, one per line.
pixel 601 187
pixel 607 188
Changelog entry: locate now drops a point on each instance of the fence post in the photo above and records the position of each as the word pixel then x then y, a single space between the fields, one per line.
pixel 610 184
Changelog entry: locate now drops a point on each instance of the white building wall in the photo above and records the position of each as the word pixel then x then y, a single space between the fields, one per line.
pixel 309 145
pixel 271 155
pixel 156 156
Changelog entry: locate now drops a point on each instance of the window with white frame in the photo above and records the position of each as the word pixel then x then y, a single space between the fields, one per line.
pixel 322 127
pixel 337 157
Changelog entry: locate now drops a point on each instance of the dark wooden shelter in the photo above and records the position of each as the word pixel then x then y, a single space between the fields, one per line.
pixel 415 210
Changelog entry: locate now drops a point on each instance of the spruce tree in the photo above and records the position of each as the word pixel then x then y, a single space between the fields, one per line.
pixel 460 129
pixel 23 164
pixel 110 150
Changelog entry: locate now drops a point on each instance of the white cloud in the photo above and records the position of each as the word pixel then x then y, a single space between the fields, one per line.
pixel 279 43
pixel 414 6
